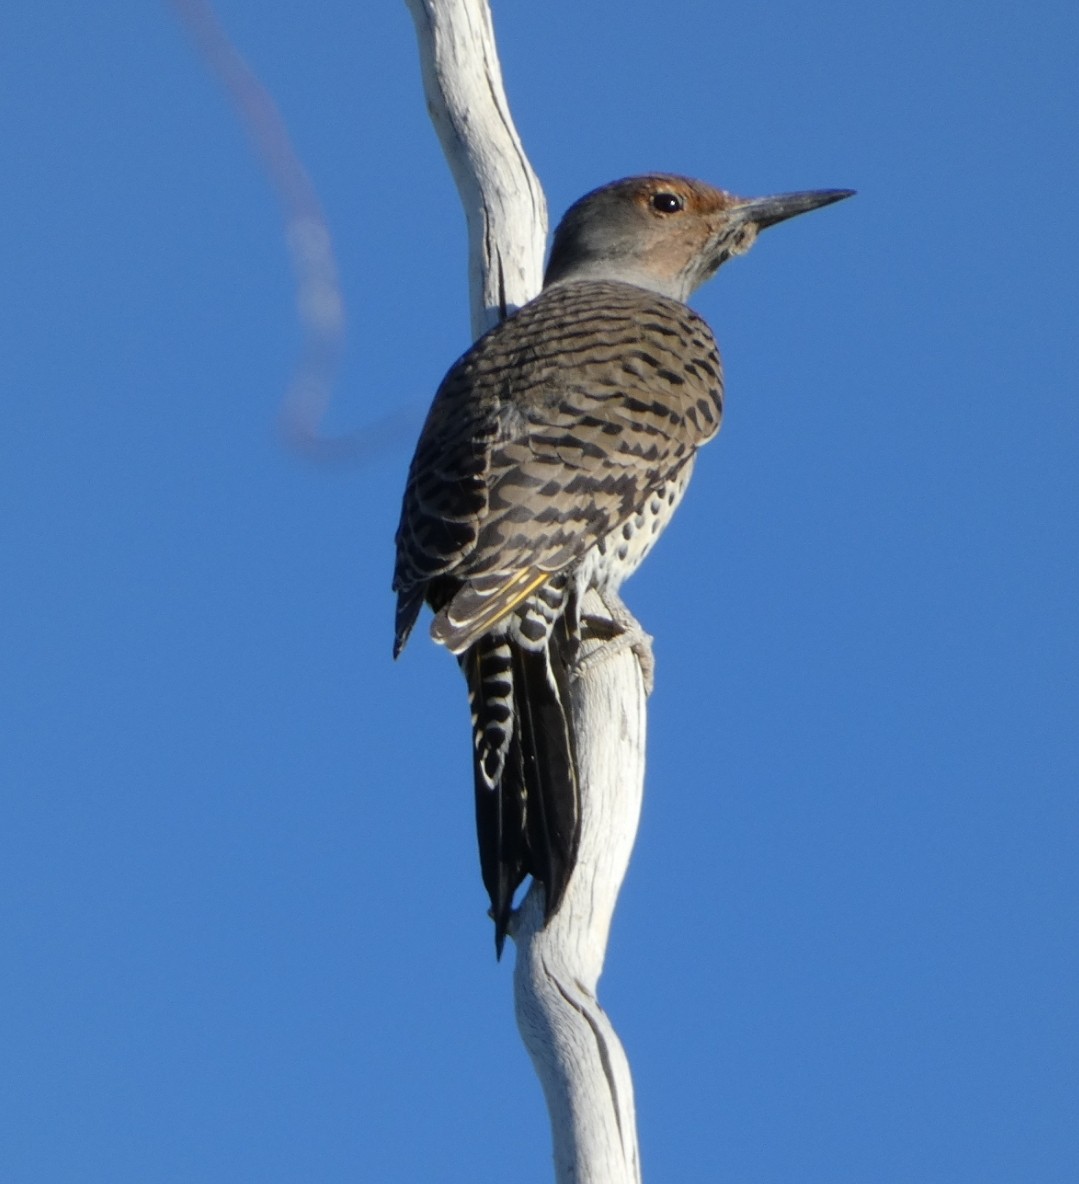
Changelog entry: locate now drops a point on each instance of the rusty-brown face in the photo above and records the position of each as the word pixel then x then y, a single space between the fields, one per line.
pixel 665 232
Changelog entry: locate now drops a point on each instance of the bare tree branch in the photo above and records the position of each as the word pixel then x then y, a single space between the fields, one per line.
pixel 501 195
pixel 579 1060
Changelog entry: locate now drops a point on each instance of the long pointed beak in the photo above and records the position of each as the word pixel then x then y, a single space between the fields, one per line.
pixel 767 211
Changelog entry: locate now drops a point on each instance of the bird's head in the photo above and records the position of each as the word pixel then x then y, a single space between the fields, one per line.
pixel 666 233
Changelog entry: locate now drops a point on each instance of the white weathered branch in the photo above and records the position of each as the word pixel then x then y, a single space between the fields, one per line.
pixel 578 1057
pixel 500 192
pixel 579 1060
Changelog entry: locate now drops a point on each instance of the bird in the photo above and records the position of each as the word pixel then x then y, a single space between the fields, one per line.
pixel 554 454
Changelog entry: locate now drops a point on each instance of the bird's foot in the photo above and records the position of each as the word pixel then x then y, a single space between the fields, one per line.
pixel 618 631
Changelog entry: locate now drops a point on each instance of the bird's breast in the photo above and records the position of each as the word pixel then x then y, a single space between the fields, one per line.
pixel 618 554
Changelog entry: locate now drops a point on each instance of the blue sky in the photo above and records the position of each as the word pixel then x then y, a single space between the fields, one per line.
pixel 242 921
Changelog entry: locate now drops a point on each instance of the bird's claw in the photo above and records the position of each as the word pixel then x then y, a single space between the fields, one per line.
pixel 617 632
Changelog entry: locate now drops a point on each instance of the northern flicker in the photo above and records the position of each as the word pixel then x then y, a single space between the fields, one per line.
pixel 555 452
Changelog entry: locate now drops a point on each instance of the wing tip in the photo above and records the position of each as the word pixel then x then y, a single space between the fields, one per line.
pixel 476 609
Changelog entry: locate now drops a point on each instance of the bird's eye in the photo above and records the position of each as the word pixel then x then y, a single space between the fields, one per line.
pixel 667 203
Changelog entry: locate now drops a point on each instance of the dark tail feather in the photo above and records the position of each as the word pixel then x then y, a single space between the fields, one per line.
pixel 499 777
pixel 527 811
pixel 553 817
